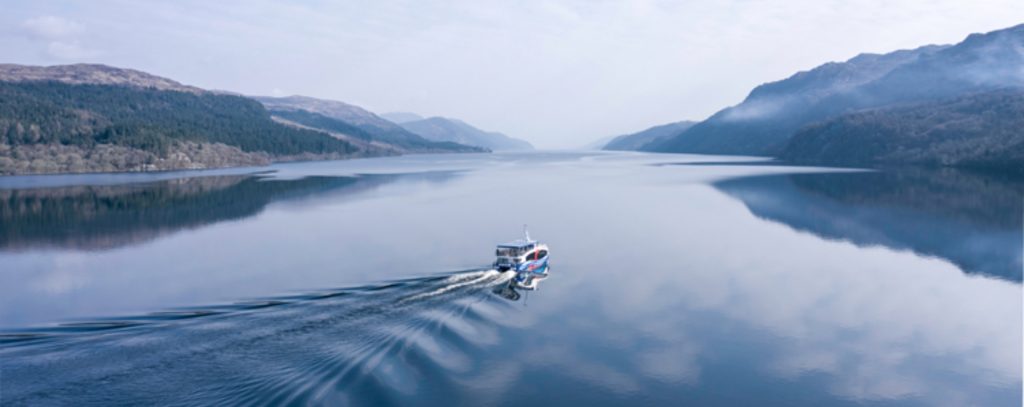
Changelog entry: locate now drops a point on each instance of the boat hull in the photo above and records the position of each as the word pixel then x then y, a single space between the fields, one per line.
pixel 529 281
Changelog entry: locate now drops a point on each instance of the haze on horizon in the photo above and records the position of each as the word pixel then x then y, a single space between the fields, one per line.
pixel 559 74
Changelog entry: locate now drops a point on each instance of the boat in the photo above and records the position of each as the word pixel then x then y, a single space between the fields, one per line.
pixel 528 258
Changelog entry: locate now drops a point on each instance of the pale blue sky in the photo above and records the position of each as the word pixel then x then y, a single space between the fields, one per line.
pixel 557 73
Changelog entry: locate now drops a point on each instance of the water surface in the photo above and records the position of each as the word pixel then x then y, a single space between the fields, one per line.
pixel 365 282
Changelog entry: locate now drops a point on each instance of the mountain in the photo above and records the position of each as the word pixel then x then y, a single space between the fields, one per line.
pixel 354 124
pixel 351 114
pixel 765 121
pixel 402 117
pixel 87 118
pixel 977 130
pixel 457 131
pixel 370 137
pixel 634 141
pixel 90 74
pixel 769 115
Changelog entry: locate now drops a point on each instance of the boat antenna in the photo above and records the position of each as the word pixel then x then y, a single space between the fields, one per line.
pixel 526 232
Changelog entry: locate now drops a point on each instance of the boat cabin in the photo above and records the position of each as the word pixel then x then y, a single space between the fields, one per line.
pixel 515 249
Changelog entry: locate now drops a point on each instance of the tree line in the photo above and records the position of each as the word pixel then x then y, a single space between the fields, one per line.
pixel 147 119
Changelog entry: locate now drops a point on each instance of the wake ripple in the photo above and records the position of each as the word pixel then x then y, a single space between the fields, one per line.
pixel 375 345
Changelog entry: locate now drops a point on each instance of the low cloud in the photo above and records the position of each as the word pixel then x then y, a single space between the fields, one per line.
pixel 52 27
pixel 59 37
pixel 757 109
pixel 69 50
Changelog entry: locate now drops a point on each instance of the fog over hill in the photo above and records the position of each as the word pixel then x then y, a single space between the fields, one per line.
pixel 773 113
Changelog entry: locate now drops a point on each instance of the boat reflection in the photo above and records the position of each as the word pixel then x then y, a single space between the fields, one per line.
pixel 507 291
pixel 527 281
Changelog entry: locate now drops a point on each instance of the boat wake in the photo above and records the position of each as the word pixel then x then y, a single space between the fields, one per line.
pixel 374 344
pixel 463 280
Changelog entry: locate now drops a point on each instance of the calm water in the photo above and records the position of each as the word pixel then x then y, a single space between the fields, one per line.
pixel 675 280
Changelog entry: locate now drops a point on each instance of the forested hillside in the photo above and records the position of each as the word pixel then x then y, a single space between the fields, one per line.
pixel 48 126
pixel 978 130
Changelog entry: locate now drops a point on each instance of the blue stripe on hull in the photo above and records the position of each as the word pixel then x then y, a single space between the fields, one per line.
pixel 536 266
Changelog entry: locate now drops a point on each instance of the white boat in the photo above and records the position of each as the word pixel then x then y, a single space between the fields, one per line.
pixel 527 257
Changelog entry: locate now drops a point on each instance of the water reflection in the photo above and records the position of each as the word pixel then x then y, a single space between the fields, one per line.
pixel 971 219
pixel 92 217
pixel 511 290
pixel 508 292
pixel 668 292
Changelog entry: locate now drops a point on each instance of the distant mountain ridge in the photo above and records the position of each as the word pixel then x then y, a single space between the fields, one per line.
pixel 351 114
pixel 636 141
pixel 773 113
pixel 355 124
pixel 457 131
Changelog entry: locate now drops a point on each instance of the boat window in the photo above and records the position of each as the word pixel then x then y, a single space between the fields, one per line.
pixel 542 254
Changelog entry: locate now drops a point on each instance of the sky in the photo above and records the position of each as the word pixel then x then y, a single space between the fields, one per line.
pixel 560 74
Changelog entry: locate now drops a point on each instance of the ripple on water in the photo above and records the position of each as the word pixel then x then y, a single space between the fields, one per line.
pixel 382 342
